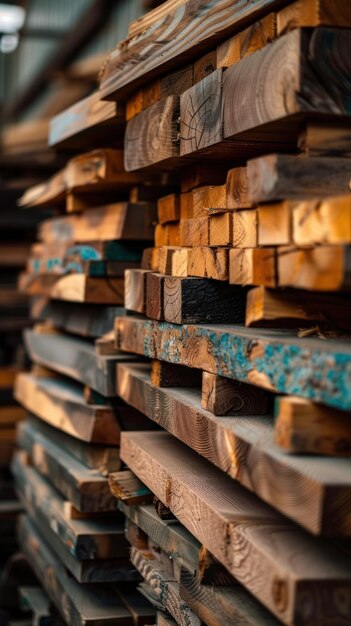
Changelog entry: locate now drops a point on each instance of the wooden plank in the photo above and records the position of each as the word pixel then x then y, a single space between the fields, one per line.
pixel 61 404
pixel 275 360
pixel 77 603
pixel 195 232
pixel 164 587
pixel 304 52
pixel 219 606
pixel 135 290
pixel 324 268
pixel 79 126
pixel 328 138
pixel 191 300
pixel 252 266
pixel 200 114
pixel 154 296
pixel 84 539
pixel 86 320
pixel 86 488
pixel 208 198
pixel 282 176
pixel 308 13
pixel 167 234
pixel 81 288
pixel 168 209
pixel 174 40
pixel 205 66
pixel 151 136
pixel 275 224
pixel 296 559
pixel 267 307
pixel 322 222
pixel 170 375
pixel 111 222
pixel 247 41
pixel 245 229
pixel 308 428
pixel 221 229
pixel 237 189
pixel 202 173
pixel 180 260
pixel 165 259
pixel 243 447
pixel 221 396
pixel 126 487
pixel 74 358
pixel 206 262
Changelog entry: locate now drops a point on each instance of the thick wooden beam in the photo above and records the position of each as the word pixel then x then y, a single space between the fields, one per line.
pixel 277 361
pixel 323 268
pixel 126 487
pixel 311 13
pixel 303 427
pixel 206 262
pixel 225 514
pixel 247 41
pixel 253 266
pixel 222 396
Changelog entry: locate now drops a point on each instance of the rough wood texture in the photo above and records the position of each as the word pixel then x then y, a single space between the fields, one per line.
pixel 208 198
pixel 324 268
pixel 252 266
pixel 195 232
pixel 277 361
pixel 307 13
pixel 245 229
pixel 279 177
pixel 247 41
pixel 221 396
pixel 114 221
pixel 125 486
pixel 81 288
pixel 86 488
pixel 243 447
pixel 74 358
pixel 61 404
pixel 308 428
pixel 230 519
pixel 167 234
pixel 135 290
pixel 205 66
pixel 219 606
pixel 221 229
pixel 206 262
pixel 322 222
pixel 176 39
pixel 77 603
pixel 200 114
pixel 302 55
pixel 267 307
pixel 170 375
pixel 154 296
pixel 164 587
pixel 180 262
pixel 237 189
pixel 191 300
pixel 151 136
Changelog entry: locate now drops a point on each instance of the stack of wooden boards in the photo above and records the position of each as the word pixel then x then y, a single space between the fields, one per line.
pixel 72 533
pixel 242 307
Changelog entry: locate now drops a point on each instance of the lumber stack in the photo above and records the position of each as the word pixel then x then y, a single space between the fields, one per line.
pixel 71 532
pixel 245 318
pixel 211 414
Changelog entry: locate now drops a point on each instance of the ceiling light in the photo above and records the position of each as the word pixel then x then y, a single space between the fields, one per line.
pixel 11 18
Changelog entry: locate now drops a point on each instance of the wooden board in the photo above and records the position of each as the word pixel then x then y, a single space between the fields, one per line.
pixel 135 290
pixel 164 587
pixel 253 266
pixel 84 539
pixel 77 603
pixel 151 136
pixel 323 268
pixel 86 488
pixel 275 360
pixel 126 487
pixel 280 177
pixel 86 320
pixel 313 13
pixel 195 300
pixel 114 221
pixel 243 447
pixel 81 288
pixel 74 358
pixel 247 41
pixel 222 396
pixel 267 307
pixel 175 40
pixel 82 124
pixel 304 427
pixel 229 520
pixel 60 403
pixel 207 262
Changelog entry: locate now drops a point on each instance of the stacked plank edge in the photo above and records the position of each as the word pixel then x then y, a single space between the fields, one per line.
pixel 185 456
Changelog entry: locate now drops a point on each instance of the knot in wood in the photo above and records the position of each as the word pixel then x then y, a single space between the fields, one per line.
pixel 280 594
